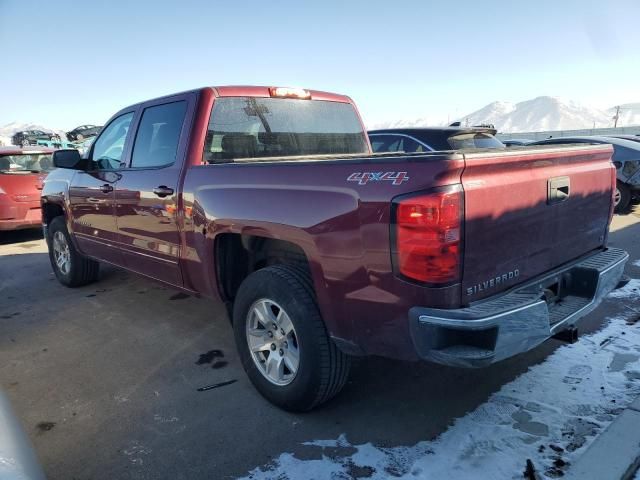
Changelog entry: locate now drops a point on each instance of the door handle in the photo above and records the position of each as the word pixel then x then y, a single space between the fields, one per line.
pixel 163 191
pixel 106 188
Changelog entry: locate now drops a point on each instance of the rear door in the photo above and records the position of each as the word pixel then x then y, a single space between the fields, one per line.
pixel 529 212
pixel 147 193
pixel 92 192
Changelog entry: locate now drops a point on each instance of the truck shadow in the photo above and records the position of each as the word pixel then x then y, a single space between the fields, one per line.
pixel 17 236
pixel 633 208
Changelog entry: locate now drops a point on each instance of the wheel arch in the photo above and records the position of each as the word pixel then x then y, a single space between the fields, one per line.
pixel 237 255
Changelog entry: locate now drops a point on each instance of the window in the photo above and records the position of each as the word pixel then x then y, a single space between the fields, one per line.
pixel 396 143
pixel 248 127
pixel 108 148
pixel 474 140
pixel 385 143
pixel 32 162
pixel 158 135
pixel 409 145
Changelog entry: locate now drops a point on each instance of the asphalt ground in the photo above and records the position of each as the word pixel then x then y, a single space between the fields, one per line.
pixel 105 378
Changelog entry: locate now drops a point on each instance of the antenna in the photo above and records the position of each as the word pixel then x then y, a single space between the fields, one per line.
pixel 616 117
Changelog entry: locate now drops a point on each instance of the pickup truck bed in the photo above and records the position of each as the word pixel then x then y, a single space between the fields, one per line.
pixel 459 257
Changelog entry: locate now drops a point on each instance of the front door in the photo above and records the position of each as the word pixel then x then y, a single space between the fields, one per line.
pixel 92 193
pixel 147 193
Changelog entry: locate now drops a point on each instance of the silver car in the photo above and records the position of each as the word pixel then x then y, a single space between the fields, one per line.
pixel 18 461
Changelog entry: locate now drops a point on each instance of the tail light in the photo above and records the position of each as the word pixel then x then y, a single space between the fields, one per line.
pixel 427 235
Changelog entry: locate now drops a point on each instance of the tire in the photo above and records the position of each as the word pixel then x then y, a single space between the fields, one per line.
pixel 71 268
pixel 623 197
pixel 25 142
pixel 322 369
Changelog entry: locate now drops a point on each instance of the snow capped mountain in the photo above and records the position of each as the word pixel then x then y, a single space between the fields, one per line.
pixel 8 130
pixel 538 114
pixel 407 123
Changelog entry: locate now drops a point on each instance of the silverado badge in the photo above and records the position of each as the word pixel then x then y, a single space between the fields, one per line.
pixel 493 282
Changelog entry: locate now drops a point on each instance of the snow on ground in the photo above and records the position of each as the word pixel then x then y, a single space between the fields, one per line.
pixel 630 290
pixel 550 415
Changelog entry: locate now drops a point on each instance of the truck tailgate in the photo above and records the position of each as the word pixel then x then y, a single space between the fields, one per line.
pixel 528 211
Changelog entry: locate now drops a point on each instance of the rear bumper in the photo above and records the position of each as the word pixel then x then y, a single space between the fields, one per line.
pixel 503 326
pixel 17 216
pixel 20 224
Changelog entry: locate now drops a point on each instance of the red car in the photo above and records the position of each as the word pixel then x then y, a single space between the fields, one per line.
pixel 22 173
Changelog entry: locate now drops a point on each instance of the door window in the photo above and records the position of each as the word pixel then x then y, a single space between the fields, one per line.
pixel 409 145
pixel 156 143
pixel 385 143
pixel 109 147
pixel 396 143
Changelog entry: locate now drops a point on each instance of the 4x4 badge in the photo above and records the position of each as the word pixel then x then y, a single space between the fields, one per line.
pixel 396 178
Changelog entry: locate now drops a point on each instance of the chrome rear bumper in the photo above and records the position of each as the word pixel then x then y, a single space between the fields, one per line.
pixel 519 320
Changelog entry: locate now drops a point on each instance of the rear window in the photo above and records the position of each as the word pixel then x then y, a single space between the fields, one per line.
pixel 249 127
pixel 474 140
pixel 32 162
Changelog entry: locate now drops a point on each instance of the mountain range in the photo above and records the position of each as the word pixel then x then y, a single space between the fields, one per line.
pixel 537 114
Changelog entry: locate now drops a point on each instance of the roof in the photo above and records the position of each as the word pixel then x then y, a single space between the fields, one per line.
pixel 595 139
pixel 449 130
pixel 262 91
pixel 238 91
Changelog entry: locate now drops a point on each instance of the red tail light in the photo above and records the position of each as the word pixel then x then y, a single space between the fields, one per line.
pixel 428 236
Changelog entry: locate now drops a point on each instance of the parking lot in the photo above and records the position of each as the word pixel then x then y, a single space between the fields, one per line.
pixel 106 379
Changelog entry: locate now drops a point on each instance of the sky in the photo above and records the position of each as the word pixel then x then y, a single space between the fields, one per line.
pixel 69 63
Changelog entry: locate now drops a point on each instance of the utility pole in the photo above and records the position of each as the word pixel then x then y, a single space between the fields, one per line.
pixel 616 117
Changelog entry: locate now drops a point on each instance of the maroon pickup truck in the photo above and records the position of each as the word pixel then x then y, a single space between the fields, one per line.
pixel 271 200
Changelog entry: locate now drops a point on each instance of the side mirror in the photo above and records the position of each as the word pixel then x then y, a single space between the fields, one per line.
pixel 69 159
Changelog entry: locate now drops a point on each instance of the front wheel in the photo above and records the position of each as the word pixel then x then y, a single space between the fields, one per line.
pixel 282 341
pixel 622 197
pixel 70 267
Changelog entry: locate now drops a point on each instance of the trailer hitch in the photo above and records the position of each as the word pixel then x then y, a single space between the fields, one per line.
pixel 569 335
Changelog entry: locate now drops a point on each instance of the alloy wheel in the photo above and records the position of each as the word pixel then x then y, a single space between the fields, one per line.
pixel 273 343
pixel 61 253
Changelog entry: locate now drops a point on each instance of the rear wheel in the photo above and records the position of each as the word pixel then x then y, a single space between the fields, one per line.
pixel 622 197
pixel 283 343
pixel 71 268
